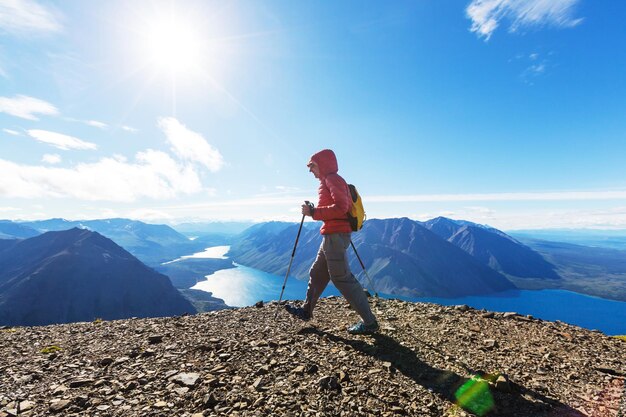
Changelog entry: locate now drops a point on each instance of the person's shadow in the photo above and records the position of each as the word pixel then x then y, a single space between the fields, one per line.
pixel 472 394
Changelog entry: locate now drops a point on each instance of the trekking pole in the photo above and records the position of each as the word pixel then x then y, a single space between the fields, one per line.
pixel 293 253
pixel 364 270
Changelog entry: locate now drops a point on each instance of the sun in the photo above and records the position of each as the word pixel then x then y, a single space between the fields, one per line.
pixel 180 50
pixel 172 44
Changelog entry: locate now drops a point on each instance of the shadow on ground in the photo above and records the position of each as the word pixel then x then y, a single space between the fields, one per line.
pixel 474 395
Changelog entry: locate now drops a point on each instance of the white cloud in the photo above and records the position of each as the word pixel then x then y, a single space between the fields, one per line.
pixel 535 65
pixel 190 146
pixel 120 158
pixel 552 196
pixel 149 215
pixel 295 199
pixel 533 72
pixel 11 132
pixel 93 123
pixel 51 158
pixel 27 16
pixel 610 218
pixel 106 213
pixel 536 69
pixel 480 210
pixel 153 174
pixel 97 124
pixel 486 15
pixel 26 107
pixel 130 129
pixel 60 140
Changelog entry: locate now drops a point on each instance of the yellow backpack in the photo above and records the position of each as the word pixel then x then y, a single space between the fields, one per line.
pixel 356 215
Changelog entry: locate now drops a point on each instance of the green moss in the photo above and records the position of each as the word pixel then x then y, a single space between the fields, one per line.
pixel 50 349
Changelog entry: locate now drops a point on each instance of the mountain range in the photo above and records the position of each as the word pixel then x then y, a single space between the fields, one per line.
pixel 79 275
pixel 440 257
pixel 402 256
pixel 151 243
pixel 12 230
pixel 596 271
pixel 402 259
pixel 493 248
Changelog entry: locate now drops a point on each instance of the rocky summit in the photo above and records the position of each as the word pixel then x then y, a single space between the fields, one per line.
pixel 427 360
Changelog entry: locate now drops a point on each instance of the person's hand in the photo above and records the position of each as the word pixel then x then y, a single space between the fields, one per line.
pixel 306 210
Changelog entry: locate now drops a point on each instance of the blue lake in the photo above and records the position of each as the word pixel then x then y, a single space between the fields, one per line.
pixel 582 310
pixel 244 286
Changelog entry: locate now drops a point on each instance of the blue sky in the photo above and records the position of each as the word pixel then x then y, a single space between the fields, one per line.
pixel 509 113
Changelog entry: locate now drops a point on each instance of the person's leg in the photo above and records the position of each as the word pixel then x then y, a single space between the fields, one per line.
pixel 318 280
pixel 334 247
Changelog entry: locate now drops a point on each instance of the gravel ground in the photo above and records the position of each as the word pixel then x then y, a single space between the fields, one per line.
pixel 427 360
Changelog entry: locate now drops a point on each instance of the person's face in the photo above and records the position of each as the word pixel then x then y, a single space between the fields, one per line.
pixel 314 169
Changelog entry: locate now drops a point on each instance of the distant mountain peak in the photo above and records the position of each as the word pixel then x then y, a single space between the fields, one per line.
pixel 441 219
pixel 79 275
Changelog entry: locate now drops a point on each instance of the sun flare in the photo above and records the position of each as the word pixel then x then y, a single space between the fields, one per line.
pixel 172 44
pixel 180 52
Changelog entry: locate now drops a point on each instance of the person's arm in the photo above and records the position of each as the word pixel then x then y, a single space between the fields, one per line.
pixel 341 200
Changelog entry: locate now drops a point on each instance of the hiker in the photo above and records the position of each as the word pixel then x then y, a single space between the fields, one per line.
pixel 332 261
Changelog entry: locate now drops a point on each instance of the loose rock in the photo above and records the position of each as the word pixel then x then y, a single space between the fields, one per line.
pixel 59 405
pixel 242 362
pixel 328 383
pixel 188 380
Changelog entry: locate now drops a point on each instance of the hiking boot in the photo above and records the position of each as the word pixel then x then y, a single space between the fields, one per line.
pixel 362 328
pixel 297 312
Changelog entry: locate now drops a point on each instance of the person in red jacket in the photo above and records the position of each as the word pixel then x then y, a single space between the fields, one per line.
pixel 332 261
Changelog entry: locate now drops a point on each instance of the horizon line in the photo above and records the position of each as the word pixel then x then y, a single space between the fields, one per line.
pixel 209 221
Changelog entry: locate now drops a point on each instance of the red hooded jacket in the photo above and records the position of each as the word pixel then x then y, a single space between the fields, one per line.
pixel 334 196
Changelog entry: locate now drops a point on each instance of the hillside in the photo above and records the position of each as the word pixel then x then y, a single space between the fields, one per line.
pixel 401 255
pixel 11 230
pixel 151 243
pixel 242 362
pixel 79 275
pixel 268 247
pixel 408 259
pixel 493 248
pixel 597 271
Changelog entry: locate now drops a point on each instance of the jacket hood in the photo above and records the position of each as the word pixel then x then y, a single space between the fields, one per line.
pixel 326 161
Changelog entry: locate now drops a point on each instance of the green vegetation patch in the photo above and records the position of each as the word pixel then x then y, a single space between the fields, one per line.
pixel 621 337
pixel 50 349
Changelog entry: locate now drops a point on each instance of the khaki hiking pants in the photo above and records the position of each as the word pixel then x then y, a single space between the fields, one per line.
pixel 332 264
